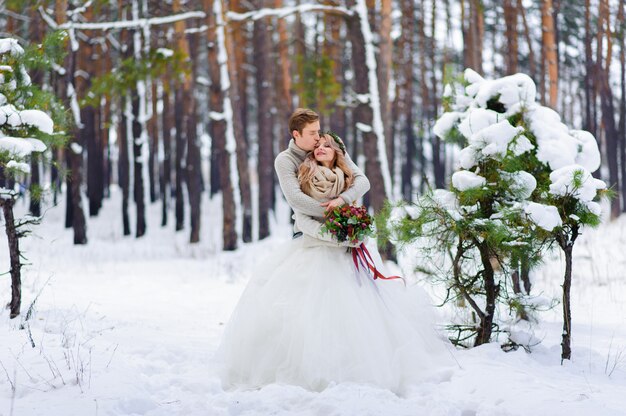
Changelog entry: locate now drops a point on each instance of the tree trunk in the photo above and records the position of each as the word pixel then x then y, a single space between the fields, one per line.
pixel 219 123
pixel 166 170
pixel 567 245
pixel 36 33
pixel 138 181
pixel 179 111
pixel 363 114
pixel 549 51
pixel 589 121
pixel 78 217
pixel 611 137
pixel 439 162
pixel 264 122
pixel 194 163
pixel 511 52
pixel 406 99
pixel 238 100
pixel 483 335
pixel 153 132
pixel 124 164
pixel 14 255
pixel 35 186
pixel 622 101
pixel 385 47
pixel 74 209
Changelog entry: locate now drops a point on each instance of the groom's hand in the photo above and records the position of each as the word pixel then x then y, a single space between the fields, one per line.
pixel 333 203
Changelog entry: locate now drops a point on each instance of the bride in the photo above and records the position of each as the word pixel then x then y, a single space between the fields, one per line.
pixel 309 318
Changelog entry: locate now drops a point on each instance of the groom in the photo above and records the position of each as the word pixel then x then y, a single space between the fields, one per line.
pixel 304 127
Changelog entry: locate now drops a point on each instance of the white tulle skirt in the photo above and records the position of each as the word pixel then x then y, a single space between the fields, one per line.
pixel 308 318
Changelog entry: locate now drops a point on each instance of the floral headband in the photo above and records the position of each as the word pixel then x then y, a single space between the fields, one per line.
pixel 337 140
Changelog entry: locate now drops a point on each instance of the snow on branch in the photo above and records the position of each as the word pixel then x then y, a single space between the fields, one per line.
pixel 286 11
pixel 122 24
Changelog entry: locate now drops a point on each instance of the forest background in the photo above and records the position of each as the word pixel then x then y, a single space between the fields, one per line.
pixel 176 102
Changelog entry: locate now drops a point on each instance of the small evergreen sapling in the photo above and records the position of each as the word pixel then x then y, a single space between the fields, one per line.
pixel 523 184
pixel 25 129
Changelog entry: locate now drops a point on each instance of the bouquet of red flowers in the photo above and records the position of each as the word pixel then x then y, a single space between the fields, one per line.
pixel 349 223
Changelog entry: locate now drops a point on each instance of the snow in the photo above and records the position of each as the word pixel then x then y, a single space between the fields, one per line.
pixel 477 119
pixel 22 167
pixel 17 147
pixel 588 154
pixel 465 179
pixel 365 128
pixel 564 182
pixel 11 46
pixel 545 216
pixel 38 119
pixel 494 140
pixel 282 12
pixel 10 115
pixel 445 123
pixel 13 117
pixel 127 326
pixel 511 90
pixel 123 24
pixel 522 183
pixel 76 148
pixel 71 93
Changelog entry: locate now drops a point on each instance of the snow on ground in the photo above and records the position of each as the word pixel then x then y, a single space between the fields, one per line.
pixel 127 326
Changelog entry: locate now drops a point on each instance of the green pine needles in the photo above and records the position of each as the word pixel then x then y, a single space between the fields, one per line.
pixel 524 186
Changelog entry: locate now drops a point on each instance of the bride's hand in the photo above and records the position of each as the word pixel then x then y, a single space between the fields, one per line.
pixel 333 203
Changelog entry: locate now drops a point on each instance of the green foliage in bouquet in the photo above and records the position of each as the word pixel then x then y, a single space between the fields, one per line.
pixel 348 223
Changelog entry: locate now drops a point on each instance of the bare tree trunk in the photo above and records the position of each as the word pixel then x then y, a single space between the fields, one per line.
pixel 124 164
pixel 385 48
pixel 405 97
pixel 166 170
pixel 589 121
pixel 439 161
pixel 567 245
pixel 153 134
pixel 491 293
pixel 217 99
pixel 194 164
pixel 138 183
pixel 510 19
pixel 363 115
pixel 36 33
pixel 606 103
pixel 611 137
pixel 622 101
pixel 334 49
pixel 179 111
pixel 549 51
pixel 264 122
pixel 14 255
pixel 74 214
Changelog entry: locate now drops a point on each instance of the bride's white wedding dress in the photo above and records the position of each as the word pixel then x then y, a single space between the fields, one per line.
pixel 308 318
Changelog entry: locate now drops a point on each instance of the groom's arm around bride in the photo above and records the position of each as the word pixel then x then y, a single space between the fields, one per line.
pixel 304 127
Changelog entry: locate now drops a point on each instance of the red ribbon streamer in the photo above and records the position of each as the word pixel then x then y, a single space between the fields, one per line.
pixel 361 255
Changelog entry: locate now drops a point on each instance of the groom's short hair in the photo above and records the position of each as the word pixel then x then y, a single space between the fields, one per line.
pixel 300 118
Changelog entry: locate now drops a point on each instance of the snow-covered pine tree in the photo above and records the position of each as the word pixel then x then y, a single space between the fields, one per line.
pixel 524 182
pixel 26 128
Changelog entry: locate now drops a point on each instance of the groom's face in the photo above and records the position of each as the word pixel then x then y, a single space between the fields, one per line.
pixel 309 137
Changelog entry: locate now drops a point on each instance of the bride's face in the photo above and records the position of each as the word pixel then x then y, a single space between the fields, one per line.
pixel 324 153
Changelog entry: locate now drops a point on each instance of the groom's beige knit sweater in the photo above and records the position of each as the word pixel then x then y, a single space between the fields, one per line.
pixel 286 166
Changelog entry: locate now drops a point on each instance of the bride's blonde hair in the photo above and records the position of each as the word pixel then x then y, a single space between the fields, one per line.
pixel 309 167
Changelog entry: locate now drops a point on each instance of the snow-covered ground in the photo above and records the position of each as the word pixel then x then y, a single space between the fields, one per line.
pixel 127 326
